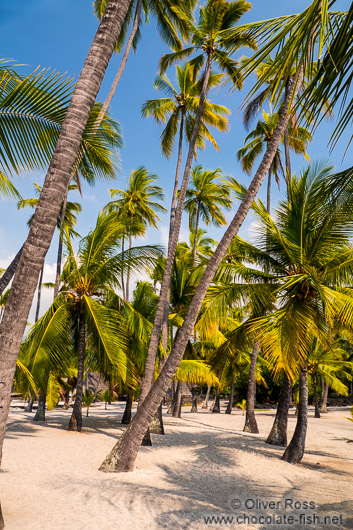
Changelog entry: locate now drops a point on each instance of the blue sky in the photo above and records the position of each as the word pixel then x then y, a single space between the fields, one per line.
pixel 58 33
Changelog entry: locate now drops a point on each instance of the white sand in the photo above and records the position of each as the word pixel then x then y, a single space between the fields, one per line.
pixel 50 478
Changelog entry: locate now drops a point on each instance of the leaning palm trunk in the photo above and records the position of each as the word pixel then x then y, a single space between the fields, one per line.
pixel 39 293
pixel 231 398
pixel 295 450
pixel 123 455
pixel 48 209
pixel 172 243
pixel 278 434
pixel 113 88
pixel 250 420
pixel 10 271
pixel 76 417
pixel 60 246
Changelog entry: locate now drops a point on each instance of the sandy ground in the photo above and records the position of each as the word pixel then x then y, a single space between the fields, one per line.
pixel 205 466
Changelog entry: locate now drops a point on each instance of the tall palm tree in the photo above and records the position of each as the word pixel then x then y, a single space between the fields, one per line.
pixel 55 186
pixel 137 206
pixel 204 199
pixel 207 39
pixel 172 16
pixel 257 139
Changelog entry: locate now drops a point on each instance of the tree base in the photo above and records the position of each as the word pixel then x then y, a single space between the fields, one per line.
pixel 276 437
pixel 251 425
pixel 194 406
pixel 146 442
pixel 75 423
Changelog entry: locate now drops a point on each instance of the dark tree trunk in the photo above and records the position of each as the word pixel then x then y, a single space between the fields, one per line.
pixel 295 450
pixel 76 417
pixel 231 398
pixel 48 208
pixel 127 412
pixel 250 420
pixel 216 408
pixel 29 405
pixel 10 271
pixel 205 403
pixel 123 455
pixel 40 413
pixel 316 401
pixel 278 434
pixel 176 413
pixel 194 400
pixel 324 399
pixel 60 246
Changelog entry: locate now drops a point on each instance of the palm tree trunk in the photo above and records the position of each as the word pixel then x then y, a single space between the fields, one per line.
pixel 10 271
pixel 316 401
pixel 172 243
pixel 194 400
pixel 268 202
pixel 40 413
pixel 123 455
pixel 29 405
pixel 127 412
pixel 278 434
pixel 39 293
pixel 286 143
pixel 194 252
pixel 60 246
pixel 324 399
pixel 128 272
pixel 231 397
pixel 176 413
pixel 122 270
pixel 47 211
pixel 295 450
pixel 205 403
pixel 76 417
pixel 156 424
pixel 216 409
pixel 250 420
pixel 114 85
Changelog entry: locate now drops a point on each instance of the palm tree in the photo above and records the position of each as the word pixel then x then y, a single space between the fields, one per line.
pixel 204 200
pixel 137 206
pixel 312 274
pixel 172 16
pixel 181 107
pixel 207 38
pixel 257 139
pixel 55 185
pixel 97 159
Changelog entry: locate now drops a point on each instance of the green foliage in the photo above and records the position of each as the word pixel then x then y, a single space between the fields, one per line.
pixel 88 398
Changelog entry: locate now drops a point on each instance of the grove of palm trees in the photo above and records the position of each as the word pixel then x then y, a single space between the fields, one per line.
pixel 176 293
